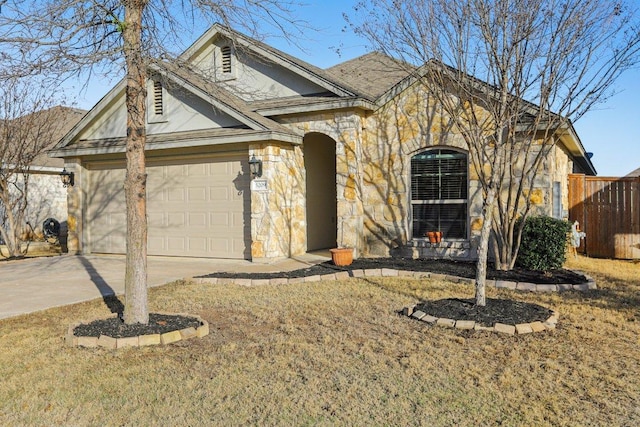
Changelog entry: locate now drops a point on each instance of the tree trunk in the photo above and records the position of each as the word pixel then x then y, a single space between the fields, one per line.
pixel 483 247
pixel 136 308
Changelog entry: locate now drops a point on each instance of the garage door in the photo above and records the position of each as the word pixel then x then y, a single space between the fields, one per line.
pixel 197 208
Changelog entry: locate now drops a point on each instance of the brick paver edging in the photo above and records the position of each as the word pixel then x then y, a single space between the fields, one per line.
pixel 519 329
pixel 138 341
pixel 389 272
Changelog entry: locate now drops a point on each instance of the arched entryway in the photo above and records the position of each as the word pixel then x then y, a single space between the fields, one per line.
pixel 320 166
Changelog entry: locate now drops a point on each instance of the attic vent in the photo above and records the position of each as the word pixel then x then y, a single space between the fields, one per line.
pixel 158 107
pixel 226 59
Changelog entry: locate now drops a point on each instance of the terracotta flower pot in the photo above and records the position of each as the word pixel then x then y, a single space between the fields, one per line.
pixel 341 256
pixel 432 237
pixel 438 236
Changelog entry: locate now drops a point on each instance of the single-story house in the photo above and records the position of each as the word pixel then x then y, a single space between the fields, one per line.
pixel 46 197
pixel 341 163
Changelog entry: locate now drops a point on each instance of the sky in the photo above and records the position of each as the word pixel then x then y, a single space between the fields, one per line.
pixel 611 131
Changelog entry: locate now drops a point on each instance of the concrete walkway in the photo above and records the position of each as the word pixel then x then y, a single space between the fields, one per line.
pixel 36 284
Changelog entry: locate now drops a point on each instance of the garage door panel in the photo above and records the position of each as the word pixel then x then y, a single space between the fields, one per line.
pixel 195 209
pixel 197 194
pixel 198 220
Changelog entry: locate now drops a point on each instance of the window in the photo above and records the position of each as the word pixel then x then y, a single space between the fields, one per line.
pixel 226 59
pixel 158 105
pixel 557 200
pixel 439 193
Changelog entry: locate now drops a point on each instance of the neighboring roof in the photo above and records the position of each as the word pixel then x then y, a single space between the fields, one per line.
pixel 62 120
pixel 634 174
pixel 372 74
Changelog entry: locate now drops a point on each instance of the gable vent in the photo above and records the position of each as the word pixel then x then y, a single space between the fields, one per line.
pixel 158 107
pixel 226 59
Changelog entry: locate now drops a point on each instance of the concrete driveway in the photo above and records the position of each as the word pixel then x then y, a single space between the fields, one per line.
pixel 35 284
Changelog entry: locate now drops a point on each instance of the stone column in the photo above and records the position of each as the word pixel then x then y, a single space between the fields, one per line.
pixel 75 200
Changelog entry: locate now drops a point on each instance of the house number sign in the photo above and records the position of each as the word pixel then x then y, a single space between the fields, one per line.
pixel 259 185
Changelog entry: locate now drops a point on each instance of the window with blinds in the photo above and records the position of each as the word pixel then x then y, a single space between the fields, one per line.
pixel 439 193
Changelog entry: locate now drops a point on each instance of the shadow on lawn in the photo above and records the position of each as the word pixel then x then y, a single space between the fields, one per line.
pixel 108 294
pixel 613 293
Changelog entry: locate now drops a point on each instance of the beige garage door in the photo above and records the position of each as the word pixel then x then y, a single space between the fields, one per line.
pixel 197 208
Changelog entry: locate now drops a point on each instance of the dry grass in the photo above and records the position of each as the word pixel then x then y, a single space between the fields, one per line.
pixel 335 353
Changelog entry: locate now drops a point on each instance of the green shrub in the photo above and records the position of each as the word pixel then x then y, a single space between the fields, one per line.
pixel 543 244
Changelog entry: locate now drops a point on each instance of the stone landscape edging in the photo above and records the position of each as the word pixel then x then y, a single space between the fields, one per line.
pixel 140 340
pixel 390 272
pixel 519 329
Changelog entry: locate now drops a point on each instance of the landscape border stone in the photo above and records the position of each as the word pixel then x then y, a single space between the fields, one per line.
pixel 590 284
pixel 108 342
pixel 519 329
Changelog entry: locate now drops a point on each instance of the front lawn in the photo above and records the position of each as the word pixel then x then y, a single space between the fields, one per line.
pixel 336 353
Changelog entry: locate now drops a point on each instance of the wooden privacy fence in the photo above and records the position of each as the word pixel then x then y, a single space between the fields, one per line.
pixel 608 210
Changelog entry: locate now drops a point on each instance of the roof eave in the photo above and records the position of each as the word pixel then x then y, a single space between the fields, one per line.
pixel 569 137
pixel 249 137
pixel 337 104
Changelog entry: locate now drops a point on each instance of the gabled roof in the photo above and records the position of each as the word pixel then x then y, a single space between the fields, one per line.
pixel 565 131
pixel 263 50
pixel 372 74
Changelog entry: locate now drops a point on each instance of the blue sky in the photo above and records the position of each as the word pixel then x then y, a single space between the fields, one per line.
pixel 611 131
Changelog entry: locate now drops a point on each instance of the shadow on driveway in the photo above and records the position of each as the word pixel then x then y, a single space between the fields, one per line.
pixel 108 294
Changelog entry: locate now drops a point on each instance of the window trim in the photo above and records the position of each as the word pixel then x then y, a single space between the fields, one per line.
pixel 440 202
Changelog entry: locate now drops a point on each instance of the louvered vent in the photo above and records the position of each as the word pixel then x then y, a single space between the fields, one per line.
pixel 158 107
pixel 226 59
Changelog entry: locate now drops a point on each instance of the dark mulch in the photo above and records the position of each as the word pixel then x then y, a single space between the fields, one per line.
pixel 115 328
pixel 455 268
pixel 509 312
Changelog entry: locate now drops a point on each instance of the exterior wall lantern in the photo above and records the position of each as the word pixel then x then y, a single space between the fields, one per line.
pixel 255 166
pixel 67 178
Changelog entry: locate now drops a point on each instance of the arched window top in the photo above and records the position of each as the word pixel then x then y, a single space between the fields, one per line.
pixel 439 191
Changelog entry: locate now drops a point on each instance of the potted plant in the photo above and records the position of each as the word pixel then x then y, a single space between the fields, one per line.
pixel 342 256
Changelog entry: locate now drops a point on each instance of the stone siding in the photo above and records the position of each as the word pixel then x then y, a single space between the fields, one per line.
pixel 278 212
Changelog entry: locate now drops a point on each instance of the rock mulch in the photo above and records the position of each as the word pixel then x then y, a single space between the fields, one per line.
pixel 504 316
pixel 240 279
pixel 112 333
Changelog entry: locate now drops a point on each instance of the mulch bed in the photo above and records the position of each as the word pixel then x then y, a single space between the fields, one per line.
pixel 455 268
pixel 509 312
pixel 115 327
pixel 496 310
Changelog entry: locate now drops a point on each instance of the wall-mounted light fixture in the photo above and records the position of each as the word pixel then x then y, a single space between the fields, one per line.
pixel 67 178
pixel 255 166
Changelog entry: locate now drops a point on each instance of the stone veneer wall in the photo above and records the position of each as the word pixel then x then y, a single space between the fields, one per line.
pixel 346 129
pixel 406 125
pixel 278 212
pixel 75 197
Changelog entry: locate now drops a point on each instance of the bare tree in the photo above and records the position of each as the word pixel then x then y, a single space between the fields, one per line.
pixel 29 125
pixel 68 36
pixel 511 75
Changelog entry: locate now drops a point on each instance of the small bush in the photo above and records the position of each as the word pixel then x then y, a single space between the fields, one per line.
pixel 543 244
